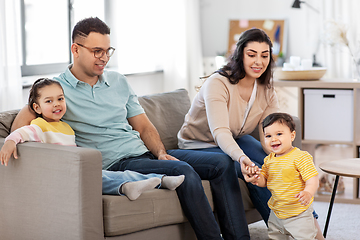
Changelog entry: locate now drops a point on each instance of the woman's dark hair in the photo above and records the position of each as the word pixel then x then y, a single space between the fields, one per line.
pixel 34 91
pixel 282 118
pixel 93 24
pixel 234 70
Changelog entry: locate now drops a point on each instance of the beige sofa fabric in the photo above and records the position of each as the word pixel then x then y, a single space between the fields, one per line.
pixel 6 119
pixel 167 111
pixel 152 209
pixel 51 192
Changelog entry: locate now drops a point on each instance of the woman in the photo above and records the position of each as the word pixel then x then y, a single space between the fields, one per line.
pixel 230 105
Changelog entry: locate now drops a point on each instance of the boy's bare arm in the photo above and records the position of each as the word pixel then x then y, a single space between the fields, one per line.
pixel 311 186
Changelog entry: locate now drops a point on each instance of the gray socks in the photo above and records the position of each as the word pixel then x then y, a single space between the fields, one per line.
pixel 172 182
pixel 134 189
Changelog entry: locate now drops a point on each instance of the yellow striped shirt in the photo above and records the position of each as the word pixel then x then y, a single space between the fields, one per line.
pixel 286 176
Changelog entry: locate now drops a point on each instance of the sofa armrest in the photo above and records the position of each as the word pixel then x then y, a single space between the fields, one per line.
pixel 51 192
pixel 297 141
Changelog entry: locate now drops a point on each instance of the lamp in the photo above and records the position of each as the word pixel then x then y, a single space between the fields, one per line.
pixel 297 3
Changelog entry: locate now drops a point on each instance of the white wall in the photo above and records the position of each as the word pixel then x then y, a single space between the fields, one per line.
pixel 144 84
pixel 302 28
pixel 215 16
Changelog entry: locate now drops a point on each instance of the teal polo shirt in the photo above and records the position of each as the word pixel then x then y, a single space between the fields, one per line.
pixel 99 115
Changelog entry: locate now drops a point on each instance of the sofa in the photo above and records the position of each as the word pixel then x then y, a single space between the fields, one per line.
pixel 54 192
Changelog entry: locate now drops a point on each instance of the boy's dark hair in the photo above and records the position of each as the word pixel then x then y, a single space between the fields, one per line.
pixel 84 27
pixel 234 70
pixel 34 92
pixel 282 118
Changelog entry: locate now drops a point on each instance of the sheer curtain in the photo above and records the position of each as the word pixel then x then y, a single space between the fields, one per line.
pixel 10 72
pixel 337 58
pixel 183 58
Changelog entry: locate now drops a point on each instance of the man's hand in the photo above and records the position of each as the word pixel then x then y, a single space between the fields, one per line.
pixel 8 149
pixel 166 156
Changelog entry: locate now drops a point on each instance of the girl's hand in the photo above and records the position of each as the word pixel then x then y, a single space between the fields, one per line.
pixel 7 150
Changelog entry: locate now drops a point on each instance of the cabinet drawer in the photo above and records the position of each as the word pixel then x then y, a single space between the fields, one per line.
pixel 328 114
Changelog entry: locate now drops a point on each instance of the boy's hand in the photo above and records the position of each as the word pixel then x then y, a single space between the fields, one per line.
pixel 252 174
pixel 7 150
pixel 304 197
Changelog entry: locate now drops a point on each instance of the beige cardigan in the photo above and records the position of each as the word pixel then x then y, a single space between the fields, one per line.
pixel 217 113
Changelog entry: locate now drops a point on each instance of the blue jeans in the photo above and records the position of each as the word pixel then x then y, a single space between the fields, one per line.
pixel 253 149
pixel 220 171
pixel 113 180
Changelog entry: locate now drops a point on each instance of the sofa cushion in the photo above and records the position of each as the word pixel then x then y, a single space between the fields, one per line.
pixel 167 112
pixel 6 119
pixel 158 207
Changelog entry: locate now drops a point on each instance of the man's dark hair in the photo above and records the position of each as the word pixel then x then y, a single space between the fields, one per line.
pixel 282 118
pixel 93 24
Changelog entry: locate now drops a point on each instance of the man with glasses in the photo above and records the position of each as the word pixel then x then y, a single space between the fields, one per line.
pixel 105 114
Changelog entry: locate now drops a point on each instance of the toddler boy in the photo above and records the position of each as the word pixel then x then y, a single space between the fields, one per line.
pixel 292 179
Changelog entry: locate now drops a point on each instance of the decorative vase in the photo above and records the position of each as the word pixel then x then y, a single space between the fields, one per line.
pixel 356 71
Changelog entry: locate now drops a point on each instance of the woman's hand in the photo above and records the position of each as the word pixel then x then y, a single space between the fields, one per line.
pixel 246 164
pixel 249 170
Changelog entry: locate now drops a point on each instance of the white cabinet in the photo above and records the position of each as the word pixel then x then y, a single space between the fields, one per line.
pixel 328 114
pixel 329 110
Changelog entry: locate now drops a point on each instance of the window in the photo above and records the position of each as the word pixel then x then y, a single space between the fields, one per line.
pixel 137 33
pixel 46 32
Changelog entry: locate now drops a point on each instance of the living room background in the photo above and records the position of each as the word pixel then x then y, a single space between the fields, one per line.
pixel 183 33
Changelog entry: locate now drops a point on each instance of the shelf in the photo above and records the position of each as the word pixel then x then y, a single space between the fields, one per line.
pixel 304 141
pixel 320 84
pixel 338 199
pixel 353 151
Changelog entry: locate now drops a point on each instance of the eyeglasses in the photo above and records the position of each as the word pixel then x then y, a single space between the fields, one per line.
pixel 98 52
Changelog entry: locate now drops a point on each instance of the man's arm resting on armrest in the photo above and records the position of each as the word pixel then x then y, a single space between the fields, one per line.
pixel 23 118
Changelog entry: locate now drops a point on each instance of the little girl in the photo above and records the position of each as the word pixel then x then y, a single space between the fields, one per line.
pixel 47 100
